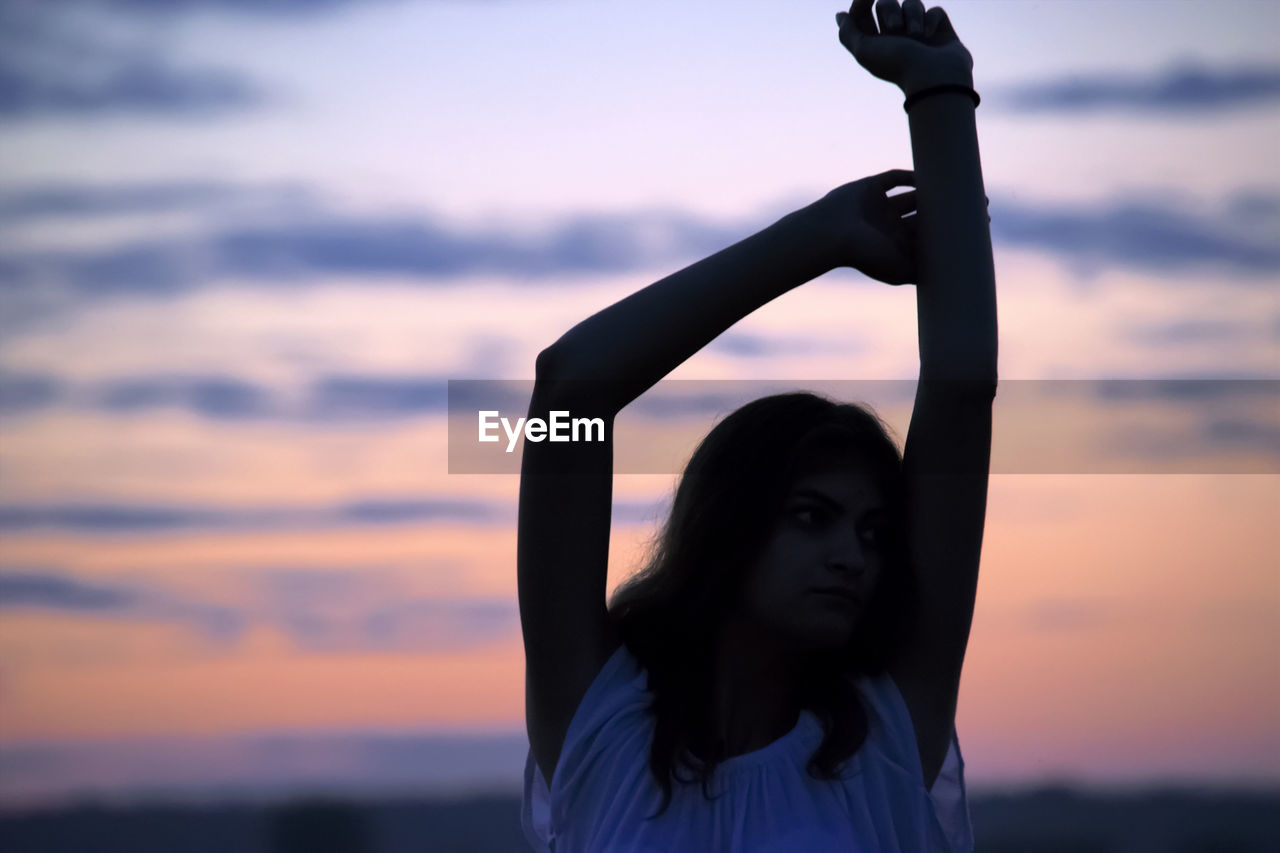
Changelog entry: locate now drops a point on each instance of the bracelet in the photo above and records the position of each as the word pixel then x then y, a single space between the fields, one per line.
pixel 945 87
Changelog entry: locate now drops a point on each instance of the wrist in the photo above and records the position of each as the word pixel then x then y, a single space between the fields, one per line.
pixel 820 235
pixel 927 80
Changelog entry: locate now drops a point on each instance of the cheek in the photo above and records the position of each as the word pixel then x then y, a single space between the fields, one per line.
pixel 783 570
pixel 769 596
pixel 760 596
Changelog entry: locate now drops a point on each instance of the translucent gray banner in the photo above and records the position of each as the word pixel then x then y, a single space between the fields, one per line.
pixel 1060 426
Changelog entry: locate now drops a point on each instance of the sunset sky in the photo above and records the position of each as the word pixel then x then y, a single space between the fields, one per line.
pixel 246 245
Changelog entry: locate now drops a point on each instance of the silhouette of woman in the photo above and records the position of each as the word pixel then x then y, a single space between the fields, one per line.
pixel 794 646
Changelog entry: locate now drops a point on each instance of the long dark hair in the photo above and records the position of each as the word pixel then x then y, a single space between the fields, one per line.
pixel 731 493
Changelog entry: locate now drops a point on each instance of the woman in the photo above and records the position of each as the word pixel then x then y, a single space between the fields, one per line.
pixel 783 675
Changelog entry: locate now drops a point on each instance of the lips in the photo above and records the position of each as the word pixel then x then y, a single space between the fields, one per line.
pixel 839 592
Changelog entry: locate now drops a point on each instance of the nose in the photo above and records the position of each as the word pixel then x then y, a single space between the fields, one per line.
pixel 848 554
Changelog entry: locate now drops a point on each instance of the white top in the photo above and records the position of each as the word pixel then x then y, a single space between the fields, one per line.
pixel 602 789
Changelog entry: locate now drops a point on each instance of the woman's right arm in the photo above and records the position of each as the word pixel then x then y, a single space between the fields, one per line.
pixel 609 359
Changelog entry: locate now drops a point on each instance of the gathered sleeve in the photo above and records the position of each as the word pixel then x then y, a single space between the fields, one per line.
pixel 607 739
pixel 947 803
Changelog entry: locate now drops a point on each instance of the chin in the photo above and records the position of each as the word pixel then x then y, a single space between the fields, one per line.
pixel 816 638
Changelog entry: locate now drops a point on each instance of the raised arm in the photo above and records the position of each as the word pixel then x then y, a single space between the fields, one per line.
pixel 608 360
pixel 626 348
pixel 948 448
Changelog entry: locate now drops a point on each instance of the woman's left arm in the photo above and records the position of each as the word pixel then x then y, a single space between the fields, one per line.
pixel 948 449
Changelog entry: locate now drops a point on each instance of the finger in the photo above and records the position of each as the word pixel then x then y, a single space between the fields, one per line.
pixel 852 27
pixel 907 237
pixel 890 15
pixel 902 203
pixel 886 181
pixel 848 35
pixel 937 26
pixel 863 21
pixel 913 16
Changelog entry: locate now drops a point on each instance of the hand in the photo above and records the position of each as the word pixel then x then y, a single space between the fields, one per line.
pixel 913 49
pixel 864 228
pixel 871 231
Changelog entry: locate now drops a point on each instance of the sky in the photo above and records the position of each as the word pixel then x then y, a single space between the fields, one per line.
pixel 247 245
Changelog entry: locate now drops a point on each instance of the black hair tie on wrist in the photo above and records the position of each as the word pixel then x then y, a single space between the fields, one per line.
pixel 945 87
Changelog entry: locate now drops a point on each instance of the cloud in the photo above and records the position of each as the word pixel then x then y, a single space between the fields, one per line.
pixel 1206 419
pixel 1208 422
pixel 1237 433
pixel 1165 236
pixel 1194 330
pixel 61 592
pixel 143 519
pixel 1174 237
pixel 364 610
pixel 140 519
pixel 1194 391
pixel 219 398
pixel 285 254
pixel 43 589
pixel 349 397
pixel 229 398
pixel 1187 88
pixel 90 59
pixel 105 518
pixel 138 86
pixel 22 393
pixel 326 609
pixel 375 511
pixel 743 345
pixel 438 625
pixel 59 60
pixel 273 8
pixel 52 201
pixel 362 397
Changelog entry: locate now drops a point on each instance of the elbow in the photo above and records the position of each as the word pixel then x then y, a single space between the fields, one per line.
pixel 549 371
pixel 547 366
pixel 559 385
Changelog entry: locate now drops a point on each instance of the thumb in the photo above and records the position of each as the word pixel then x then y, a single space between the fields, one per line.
pixel 848 33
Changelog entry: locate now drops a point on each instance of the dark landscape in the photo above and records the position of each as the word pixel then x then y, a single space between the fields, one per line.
pixel 1046 820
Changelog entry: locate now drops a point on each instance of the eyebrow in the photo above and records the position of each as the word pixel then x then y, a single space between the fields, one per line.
pixel 827 500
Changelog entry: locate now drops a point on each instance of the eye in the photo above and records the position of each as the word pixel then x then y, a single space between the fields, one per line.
pixel 808 515
pixel 876 533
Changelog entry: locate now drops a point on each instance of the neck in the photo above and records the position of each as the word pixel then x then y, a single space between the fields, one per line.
pixel 753 697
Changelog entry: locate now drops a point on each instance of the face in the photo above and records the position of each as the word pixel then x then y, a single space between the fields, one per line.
pixel 822 561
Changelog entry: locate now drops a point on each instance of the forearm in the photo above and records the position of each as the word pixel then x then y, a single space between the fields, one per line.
pixel 955 293
pixel 623 350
